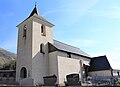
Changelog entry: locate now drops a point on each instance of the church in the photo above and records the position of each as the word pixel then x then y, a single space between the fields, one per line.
pixel 39 55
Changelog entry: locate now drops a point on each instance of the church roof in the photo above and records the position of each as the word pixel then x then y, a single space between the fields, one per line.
pixel 35 13
pixel 57 45
pixel 99 63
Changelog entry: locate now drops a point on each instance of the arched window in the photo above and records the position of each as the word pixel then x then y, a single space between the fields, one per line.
pixel 23 72
pixel 42 48
pixel 24 31
pixel 43 30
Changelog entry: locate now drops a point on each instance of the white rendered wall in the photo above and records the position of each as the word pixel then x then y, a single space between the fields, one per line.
pixel 40 60
pixel 81 58
pixel 60 65
pixel 28 52
pixel 24 50
pixel 115 72
pixel 100 73
pixel 84 60
pixel 53 64
pixel 67 66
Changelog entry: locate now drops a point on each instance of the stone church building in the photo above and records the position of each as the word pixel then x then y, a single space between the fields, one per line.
pixel 39 55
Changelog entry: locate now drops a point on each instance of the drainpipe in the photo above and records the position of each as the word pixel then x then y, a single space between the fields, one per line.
pixel 81 71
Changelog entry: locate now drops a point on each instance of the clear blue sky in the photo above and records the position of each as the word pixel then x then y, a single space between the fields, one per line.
pixel 91 25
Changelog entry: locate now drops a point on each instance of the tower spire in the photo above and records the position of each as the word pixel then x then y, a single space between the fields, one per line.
pixel 35 11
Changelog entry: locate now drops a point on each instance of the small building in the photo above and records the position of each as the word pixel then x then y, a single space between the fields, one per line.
pixel 100 66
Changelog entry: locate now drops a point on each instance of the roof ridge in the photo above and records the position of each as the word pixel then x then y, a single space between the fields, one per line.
pixel 99 56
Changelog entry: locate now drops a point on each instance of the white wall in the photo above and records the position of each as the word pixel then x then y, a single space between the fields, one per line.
pixel 28 53
pixel 61 65
pixel 53 64
pixel 84 60
pixel 40 60
pixel 100 73
pixel 67 66
pixel 115 72
pixel 24 50
pixel 39 68
pixel 81 58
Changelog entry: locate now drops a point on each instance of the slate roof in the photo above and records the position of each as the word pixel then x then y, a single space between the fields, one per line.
pixel 57 45
pixel 35 11
pixel 36 14
pixel 99 63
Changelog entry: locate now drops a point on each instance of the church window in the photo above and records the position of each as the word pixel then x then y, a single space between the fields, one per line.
pixel 42 48
pixel 68 55
pixel 43 30
pixel 23 72
pixel 24 31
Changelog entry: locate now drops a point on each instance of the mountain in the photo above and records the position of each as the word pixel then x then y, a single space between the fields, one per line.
pixel 6 56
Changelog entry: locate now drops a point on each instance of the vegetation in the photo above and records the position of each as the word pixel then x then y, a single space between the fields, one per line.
pixel 9 65
pixel 7 60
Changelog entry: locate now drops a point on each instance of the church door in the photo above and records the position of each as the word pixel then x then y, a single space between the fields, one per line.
pixel 23 73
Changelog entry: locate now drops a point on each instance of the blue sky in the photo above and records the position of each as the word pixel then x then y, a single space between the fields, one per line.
pixel 91 25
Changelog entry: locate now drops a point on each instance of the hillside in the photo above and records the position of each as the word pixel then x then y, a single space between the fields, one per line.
pixel 6 56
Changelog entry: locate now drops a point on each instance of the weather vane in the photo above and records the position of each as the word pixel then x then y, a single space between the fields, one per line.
pixel 35 3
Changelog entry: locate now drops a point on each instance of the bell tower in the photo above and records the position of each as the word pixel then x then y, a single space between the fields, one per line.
pixel 34 33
